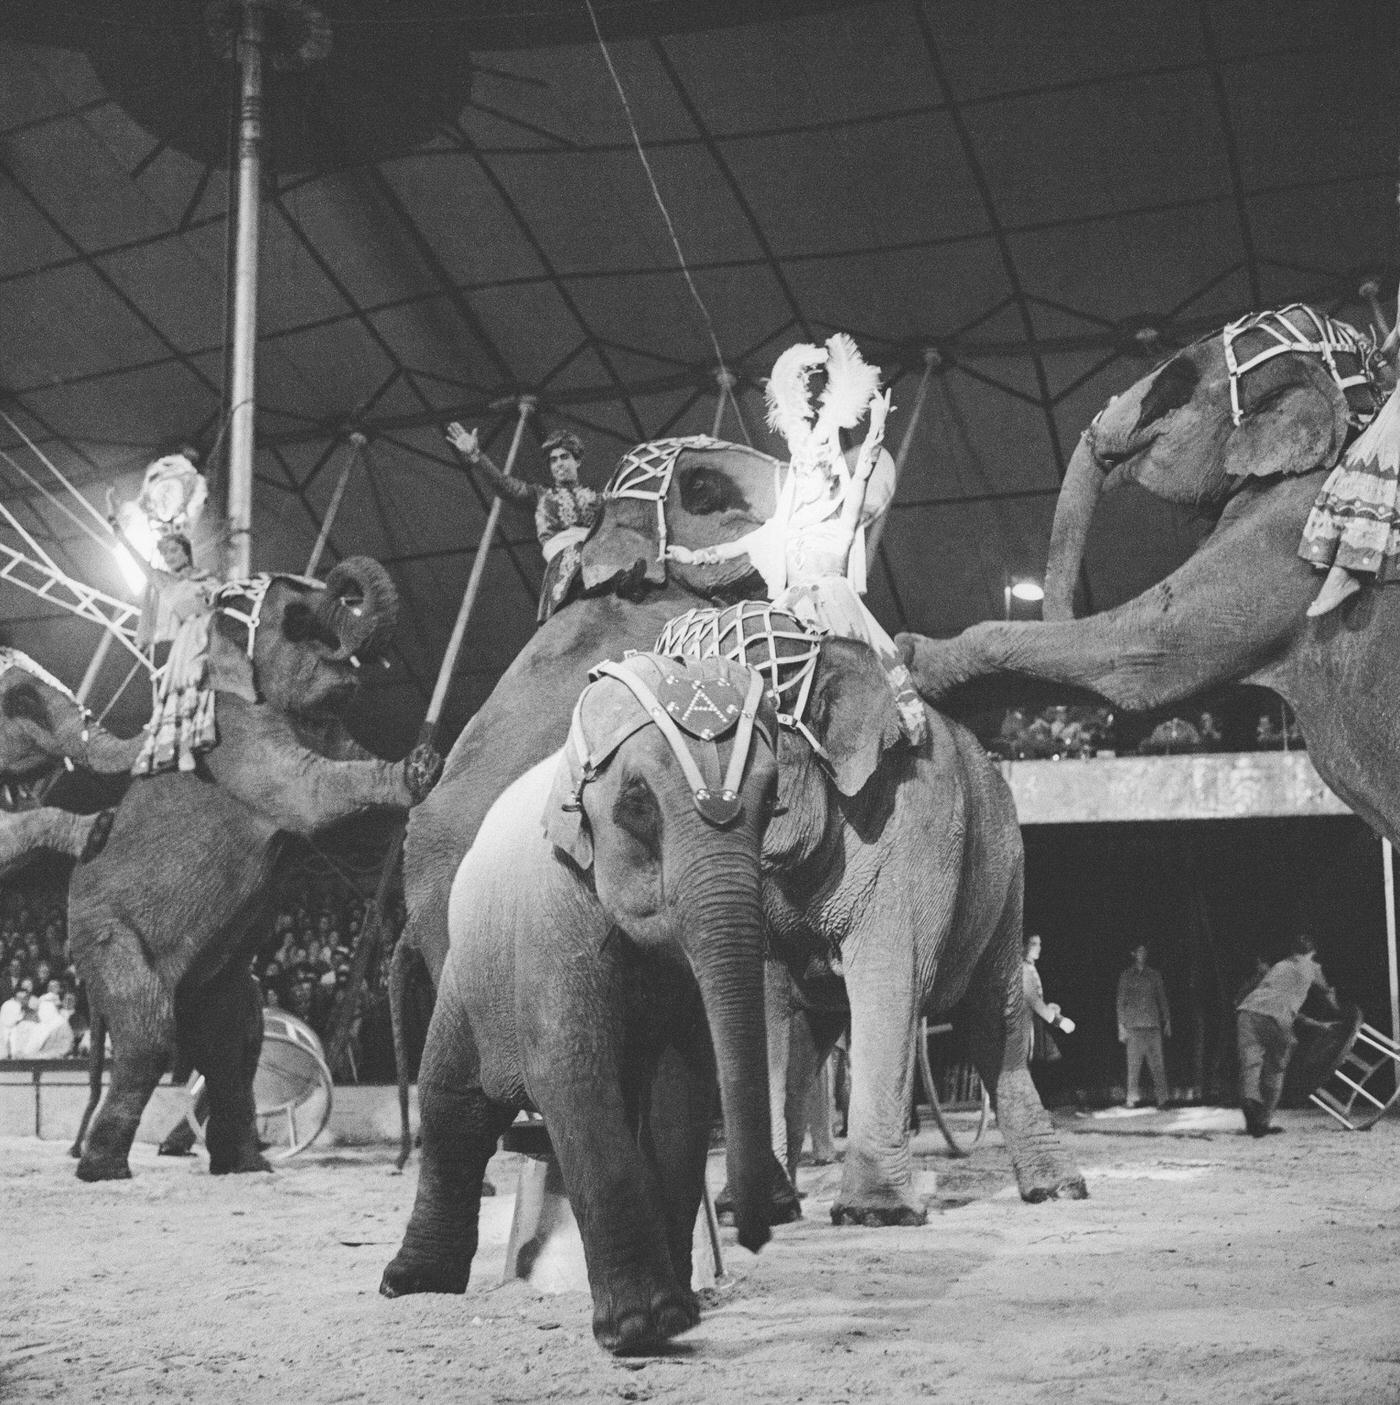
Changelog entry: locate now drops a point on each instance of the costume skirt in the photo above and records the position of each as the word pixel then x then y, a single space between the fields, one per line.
pixel 1355 521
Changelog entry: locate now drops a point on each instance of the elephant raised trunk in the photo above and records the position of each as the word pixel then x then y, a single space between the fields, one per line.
pixel 723 939
pixel 361 605
pixel 1079 495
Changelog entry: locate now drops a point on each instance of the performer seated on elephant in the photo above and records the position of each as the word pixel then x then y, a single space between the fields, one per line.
pixel 811 552
pixel 1353 531
pixel 564 514
pixel 179 604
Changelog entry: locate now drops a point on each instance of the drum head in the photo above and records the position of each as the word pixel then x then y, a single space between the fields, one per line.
pixel 292 1088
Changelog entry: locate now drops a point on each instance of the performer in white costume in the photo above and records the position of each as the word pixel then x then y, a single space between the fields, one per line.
pixel 811 552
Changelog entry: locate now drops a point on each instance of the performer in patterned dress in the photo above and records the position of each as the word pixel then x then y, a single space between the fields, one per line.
pixel 1353 530
pixel 564 513
pixel 179 604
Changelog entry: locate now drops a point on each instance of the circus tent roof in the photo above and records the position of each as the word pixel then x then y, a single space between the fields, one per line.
pixel 1045 196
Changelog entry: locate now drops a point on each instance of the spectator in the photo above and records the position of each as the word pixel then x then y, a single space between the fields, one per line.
pixel 1144 1020
pixel 13 1011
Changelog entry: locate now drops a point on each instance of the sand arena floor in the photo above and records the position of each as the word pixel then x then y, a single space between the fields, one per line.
pixel 1205 1267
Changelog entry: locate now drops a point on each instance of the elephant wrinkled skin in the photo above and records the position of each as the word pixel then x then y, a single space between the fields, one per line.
pixel 604 973
pixel 162 922
pixel 1235 611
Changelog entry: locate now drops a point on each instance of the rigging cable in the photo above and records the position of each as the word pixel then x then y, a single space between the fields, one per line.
pixel 721 364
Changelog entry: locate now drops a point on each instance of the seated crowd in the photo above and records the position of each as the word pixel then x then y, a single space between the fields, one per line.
pixel 303 968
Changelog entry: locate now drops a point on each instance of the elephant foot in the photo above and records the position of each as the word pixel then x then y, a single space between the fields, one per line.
pixel 97 836
pixel 785 1207
pixel 405 1275
pixel 179 1141
pixel 1067 1187
pixel 103 1168
pixel 239 1165
pixel 880 1216
pixel 633 1322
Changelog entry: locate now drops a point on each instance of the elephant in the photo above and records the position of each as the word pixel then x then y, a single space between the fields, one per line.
pixel 901 868
pixel 606 963
pixel 44 728
pixel 710 493
pixel 1249 451
pixel 161 924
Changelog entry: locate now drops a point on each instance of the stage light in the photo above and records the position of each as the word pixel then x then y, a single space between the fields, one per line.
pixel 1030 591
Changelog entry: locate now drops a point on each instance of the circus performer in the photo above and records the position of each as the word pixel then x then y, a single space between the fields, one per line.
pixel 564 513
pixel 1353 531
pixel 177 610
pixel 811 552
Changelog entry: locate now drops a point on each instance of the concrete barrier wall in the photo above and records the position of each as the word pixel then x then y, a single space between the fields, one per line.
pixel 360 1115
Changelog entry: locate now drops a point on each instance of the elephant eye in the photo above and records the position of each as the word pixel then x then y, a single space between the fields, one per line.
pixel 637 814
pixel 1174 386
pixel 705 491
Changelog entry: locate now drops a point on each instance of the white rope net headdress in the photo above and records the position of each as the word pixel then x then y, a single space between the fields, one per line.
pixel 1350 356
pixel 755 633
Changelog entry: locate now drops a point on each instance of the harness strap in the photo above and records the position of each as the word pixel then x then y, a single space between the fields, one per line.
pixel 718 809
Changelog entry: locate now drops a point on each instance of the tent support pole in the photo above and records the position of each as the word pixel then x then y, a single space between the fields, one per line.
pixel 525 405
pixel 245 291
pixel 357 443
pixel 99 657
pixel 1388 865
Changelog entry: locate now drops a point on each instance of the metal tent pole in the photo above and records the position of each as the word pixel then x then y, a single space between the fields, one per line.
pixel 357 442
pixel 1388 864
pixel 245 292
pixel 526 405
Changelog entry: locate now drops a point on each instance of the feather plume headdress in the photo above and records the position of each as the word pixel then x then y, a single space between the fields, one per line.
pixel 850 386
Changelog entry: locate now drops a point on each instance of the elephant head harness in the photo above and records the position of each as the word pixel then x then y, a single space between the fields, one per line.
pixel 755 633
pixel 1351 359
pixel 693 705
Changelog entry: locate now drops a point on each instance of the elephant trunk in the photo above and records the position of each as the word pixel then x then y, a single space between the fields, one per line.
pixel 360 606
pixel 90 745
pixel 723 939
pixel 1079 495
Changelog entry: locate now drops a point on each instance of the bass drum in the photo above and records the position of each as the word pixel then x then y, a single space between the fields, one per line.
pixel 292 1088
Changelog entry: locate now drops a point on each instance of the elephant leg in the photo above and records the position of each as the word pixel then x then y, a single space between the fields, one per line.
pixel 573 1067
pixel 677 1135
pixel 460 1129
pixel 140 1016
pixel 877 1182
pixel 1043 1170
pixel 24 832
pixel 221 1026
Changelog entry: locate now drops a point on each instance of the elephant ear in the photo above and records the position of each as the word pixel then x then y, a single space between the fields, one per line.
pixel 1294 420
pixel 566 828
pixel 852 711
pixel 230 668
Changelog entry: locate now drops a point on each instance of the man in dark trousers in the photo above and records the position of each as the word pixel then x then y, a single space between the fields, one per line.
pixel 1264 1029
pixel 1144 1020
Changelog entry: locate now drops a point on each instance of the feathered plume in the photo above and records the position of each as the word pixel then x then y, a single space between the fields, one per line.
pixel 850 385
pixel 790 409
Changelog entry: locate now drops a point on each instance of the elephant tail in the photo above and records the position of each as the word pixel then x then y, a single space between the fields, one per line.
pixel 398 987
pixel 96 1058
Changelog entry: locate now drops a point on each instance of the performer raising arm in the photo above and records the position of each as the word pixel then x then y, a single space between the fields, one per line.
pixel 564 513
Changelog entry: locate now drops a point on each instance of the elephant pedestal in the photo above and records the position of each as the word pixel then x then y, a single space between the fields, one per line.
pixel 545 1247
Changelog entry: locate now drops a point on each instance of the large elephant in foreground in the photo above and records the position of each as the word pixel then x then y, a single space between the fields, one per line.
pixel 606 964
pixel 1251 450
pixel 162 923
pixel 822 858
pixel 43 728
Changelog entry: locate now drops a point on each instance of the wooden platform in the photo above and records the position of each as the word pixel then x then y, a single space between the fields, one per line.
pixel 1234 785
